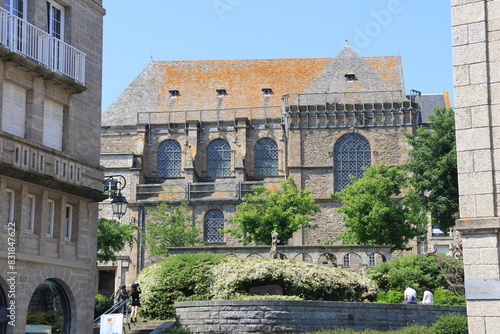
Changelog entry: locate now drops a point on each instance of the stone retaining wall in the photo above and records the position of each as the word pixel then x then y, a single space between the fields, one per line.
pixel 276 316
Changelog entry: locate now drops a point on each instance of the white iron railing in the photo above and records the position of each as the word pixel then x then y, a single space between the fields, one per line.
pixel 24 38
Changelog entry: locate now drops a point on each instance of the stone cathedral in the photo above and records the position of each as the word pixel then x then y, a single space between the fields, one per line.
pixel 206 131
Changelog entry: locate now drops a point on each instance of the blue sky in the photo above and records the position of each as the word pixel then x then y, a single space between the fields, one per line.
pixel 418 30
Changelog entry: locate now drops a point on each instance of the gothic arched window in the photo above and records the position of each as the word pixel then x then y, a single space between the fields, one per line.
pixel 169 159
pixel 214 221
pixel 266 158
pixel 351 154
pixel 219 158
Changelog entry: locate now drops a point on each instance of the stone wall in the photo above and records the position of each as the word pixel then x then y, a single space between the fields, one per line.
pixel 476 65
pixel 266 316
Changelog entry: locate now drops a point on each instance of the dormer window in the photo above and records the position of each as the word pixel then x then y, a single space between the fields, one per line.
pixel 221 92
pixel 174 93
pixel 350 77
pixel 266 91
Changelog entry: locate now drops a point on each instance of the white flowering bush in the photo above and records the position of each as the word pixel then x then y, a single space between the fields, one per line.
pixel 204 276
pixel 234 277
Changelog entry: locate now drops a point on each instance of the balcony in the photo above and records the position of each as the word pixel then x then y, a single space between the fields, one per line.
pixel 31 42
pixel 201 191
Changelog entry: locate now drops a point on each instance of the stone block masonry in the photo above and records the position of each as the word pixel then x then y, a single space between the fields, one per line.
pixel 279 316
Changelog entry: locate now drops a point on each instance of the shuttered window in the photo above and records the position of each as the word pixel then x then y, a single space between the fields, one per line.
pixel 53 124
pixel 14 109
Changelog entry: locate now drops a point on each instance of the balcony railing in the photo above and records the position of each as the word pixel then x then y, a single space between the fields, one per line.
pixel 24 38
pixel 196 191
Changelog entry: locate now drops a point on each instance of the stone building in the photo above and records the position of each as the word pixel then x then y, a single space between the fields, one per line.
pixel 207 131
pixel 50 177
pixel 476 65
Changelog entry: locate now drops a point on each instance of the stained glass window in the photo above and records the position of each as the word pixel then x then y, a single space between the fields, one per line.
pixel 351 154
pixel 266 158
pixel 169 159
pixel 214 221
pixel 219 158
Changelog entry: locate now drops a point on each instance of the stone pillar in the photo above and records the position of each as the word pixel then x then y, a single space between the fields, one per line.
pixel 476 61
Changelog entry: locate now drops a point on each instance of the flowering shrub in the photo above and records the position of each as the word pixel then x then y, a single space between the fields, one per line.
pixel 204 276
pixel 234 277
pixel 177 278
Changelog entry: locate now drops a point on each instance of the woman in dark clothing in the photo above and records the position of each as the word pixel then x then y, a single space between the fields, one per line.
pixel 135 292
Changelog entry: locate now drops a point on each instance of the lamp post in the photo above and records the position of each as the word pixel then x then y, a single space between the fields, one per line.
pixel 119 202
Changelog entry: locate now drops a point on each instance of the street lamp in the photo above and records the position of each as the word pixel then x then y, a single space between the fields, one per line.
pixel 119 202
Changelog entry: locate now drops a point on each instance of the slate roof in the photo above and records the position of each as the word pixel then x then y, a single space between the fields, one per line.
pixel 197 82
pixel 427 104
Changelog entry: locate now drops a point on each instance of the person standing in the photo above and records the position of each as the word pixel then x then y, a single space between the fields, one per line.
pixel 121 296
pixel 428 298
pixel 410 295
pixel 135 293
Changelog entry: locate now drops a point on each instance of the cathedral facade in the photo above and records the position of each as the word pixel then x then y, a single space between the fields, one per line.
pixel 206 131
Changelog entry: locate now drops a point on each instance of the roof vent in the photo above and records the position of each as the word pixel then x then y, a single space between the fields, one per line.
pixel 267 91
pixel 350 77
pixel 221 92
pixel 174 93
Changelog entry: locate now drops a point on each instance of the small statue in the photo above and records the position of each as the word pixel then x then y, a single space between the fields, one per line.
pixel 273 253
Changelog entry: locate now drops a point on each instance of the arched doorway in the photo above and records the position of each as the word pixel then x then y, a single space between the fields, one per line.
pixel 3 311
pixel 49 307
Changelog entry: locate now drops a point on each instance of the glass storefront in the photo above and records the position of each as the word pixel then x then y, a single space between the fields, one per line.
pixel 49 309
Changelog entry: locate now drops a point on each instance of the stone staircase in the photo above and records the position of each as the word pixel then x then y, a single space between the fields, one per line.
pixel 148 327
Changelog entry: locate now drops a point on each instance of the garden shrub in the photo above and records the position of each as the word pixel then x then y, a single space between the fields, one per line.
pixel 447 297
pixel 177 278
pixel 450 324
pixel 415 270
pixel 391 296
pixel 308 281
pixel 205 276
pixel 101 304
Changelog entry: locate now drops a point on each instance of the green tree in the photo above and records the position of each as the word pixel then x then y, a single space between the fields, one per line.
pixel 416 270
pixel 374 211
pixel 433 165
pixel 170 225
pixel 265 211
pixel 112 237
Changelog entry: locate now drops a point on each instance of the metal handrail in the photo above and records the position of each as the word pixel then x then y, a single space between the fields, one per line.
pixel 112 309
pixel 208 115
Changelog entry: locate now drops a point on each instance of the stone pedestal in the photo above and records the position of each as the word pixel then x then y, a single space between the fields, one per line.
pixel 480 242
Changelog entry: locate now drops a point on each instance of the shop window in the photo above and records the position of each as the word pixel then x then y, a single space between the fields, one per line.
pixel 48 307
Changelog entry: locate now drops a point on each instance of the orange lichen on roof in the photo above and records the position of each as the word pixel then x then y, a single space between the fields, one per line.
pixel 388 67
pixel 243 80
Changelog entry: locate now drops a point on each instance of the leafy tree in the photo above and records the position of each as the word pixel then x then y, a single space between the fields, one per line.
pixel 170 226
pixel 374 212
pixel 112 237
pixel 433 165
pixel 416 270
pixel 265 211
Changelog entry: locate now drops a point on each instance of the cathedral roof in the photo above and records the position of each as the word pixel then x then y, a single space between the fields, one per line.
pixel 196 84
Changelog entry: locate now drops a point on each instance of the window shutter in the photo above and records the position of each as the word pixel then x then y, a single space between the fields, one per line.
pixel 14 109
pixel 53 124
